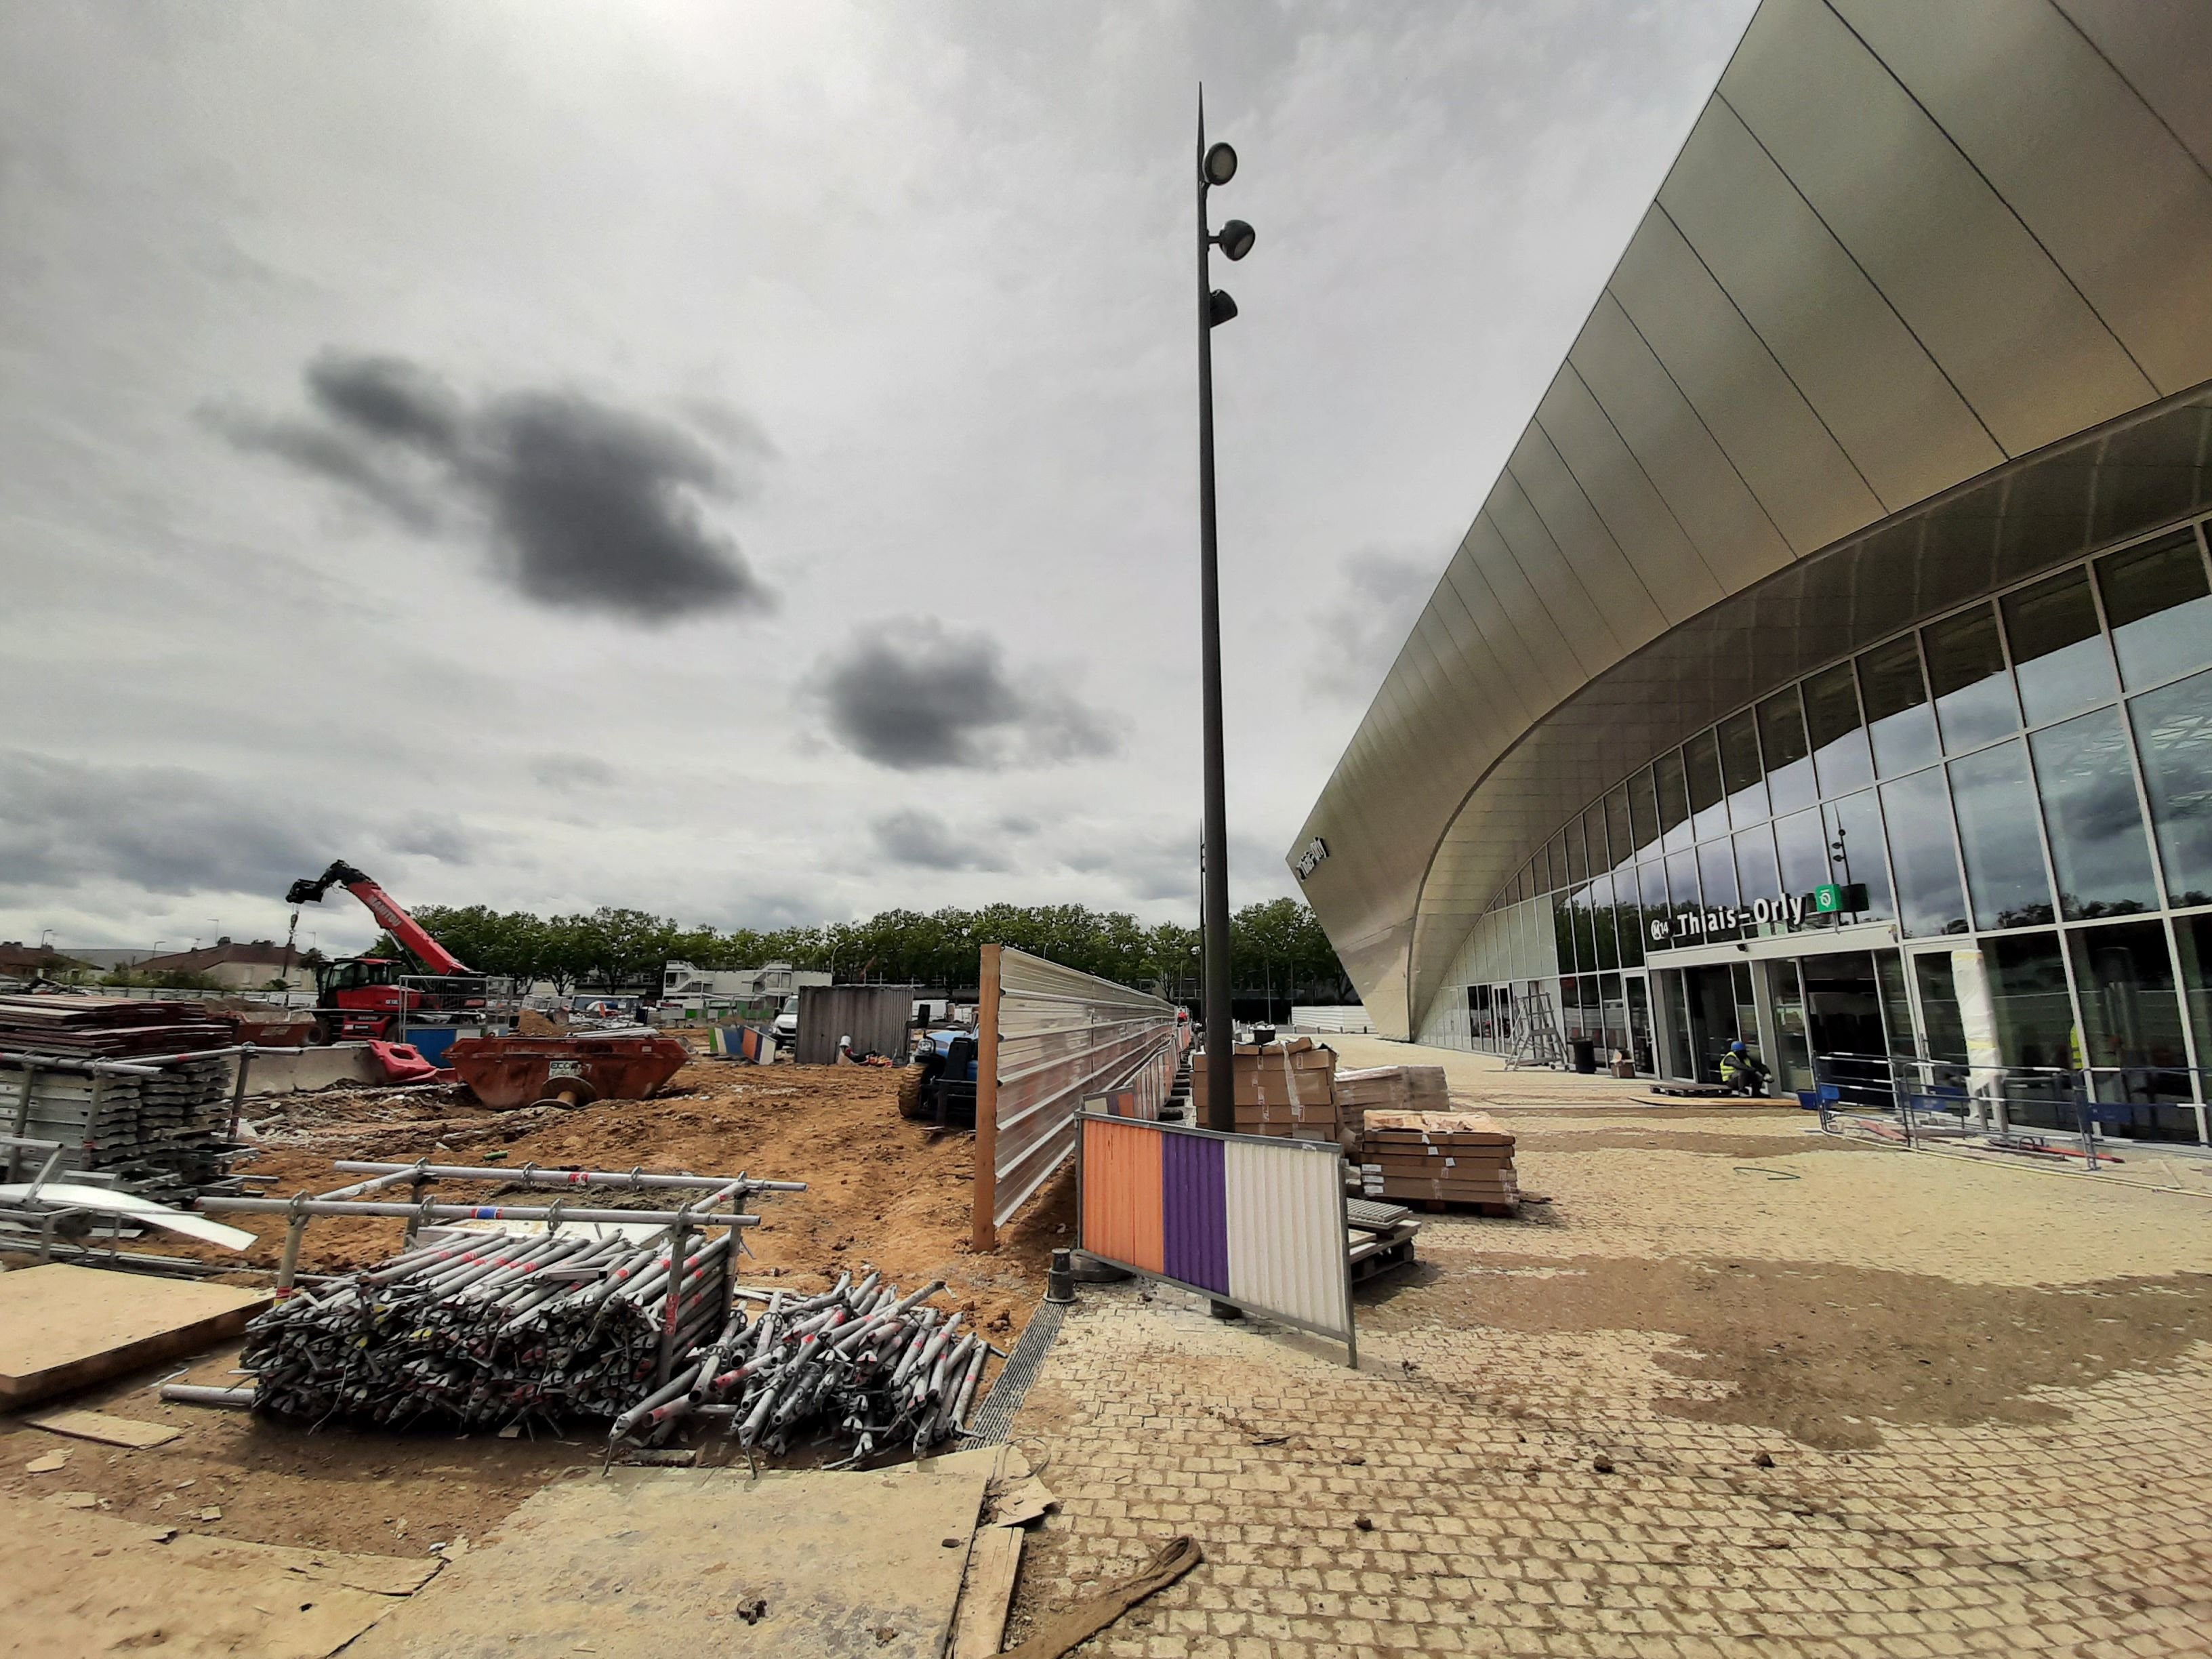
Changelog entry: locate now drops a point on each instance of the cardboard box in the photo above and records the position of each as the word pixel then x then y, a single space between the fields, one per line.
pixel 1297 1073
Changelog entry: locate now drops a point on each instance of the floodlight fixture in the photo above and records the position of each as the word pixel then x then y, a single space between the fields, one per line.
pixel 1220 165
pixel 1235 239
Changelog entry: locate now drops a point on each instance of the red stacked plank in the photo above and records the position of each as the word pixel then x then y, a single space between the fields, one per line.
pixel 110 1027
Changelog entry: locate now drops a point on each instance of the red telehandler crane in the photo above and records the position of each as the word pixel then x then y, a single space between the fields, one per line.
pixel 363 996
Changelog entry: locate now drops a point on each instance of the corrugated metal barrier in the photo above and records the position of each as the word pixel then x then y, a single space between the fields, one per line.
pixel 1257 1221
pixel 1051 1036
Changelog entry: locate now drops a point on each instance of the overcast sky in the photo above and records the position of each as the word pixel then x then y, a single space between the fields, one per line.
pixel 738 461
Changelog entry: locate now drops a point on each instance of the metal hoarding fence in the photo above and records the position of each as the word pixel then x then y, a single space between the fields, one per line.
pixel 1049 1037
pixel 1256 1220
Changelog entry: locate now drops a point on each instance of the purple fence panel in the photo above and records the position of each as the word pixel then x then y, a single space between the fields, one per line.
pixel 1195 1216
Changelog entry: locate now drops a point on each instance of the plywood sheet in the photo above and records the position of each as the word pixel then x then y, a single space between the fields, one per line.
pixel 108 1431
pixel 84 1582
pixel 988 1593
pixel 66 1327
pixel 645 1563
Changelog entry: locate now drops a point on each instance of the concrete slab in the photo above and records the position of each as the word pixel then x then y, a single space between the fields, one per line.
pixel 645 1563
pixel 80 1581
pixel 67 1328
pixel 311 1069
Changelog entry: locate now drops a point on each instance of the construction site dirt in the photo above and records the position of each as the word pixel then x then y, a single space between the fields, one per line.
pixel 881 1190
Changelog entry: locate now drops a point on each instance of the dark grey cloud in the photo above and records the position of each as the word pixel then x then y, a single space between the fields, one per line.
pixel 573 770
pixel 1379 595
pixel 916 696
pixel 582 506
pixel 924 840
pixel 166 831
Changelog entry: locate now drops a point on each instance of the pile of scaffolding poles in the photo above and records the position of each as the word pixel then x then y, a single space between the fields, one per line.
pixel 860 1364
pixel 488 1329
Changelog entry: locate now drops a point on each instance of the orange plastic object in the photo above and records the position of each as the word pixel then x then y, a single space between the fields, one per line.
pixel 519 1070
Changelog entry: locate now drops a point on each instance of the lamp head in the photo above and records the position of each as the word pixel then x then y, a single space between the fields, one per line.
pixel 1219 308
pixel 1235 238
pixel 1219 166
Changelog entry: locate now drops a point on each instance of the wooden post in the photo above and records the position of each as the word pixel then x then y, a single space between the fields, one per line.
pixel 986 1231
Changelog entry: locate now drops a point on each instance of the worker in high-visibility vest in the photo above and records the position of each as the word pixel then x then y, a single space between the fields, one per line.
pixel 1742 1071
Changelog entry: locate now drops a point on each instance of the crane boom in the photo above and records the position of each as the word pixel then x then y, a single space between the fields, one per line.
pixel 386 909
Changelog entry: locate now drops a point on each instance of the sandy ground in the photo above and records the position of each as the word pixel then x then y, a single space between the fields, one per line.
pixel 882 1191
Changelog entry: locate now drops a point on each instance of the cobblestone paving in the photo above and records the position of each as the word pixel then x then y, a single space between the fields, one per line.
pixel 1475 1490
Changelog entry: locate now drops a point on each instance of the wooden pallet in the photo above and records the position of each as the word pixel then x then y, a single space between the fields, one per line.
pixel 1373 1255
pixel 1456 1206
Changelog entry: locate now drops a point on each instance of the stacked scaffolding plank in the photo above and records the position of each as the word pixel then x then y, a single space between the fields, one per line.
pixel 75 1070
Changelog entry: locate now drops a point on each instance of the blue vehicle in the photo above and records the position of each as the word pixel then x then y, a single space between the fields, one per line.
pixel 939 1086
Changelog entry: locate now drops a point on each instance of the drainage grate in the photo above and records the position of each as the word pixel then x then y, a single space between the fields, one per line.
pixel 996 1418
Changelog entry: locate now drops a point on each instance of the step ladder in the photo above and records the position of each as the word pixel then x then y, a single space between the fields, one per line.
pixel 1536 1031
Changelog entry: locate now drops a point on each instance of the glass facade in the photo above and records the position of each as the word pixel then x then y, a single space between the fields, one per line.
pixel 2018 793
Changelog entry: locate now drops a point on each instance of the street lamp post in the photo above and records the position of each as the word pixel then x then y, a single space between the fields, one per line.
pixel 1217 165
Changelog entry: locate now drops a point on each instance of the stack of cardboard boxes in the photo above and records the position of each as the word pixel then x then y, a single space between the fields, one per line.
pixel 1286 1089
pixel 1451 1158
pixel 1392 1089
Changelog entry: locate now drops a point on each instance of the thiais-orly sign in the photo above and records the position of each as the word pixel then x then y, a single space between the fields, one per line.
pixel 1309 861
pixel 1828 899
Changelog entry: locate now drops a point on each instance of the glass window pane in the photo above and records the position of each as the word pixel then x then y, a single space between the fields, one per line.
pixel 1643 814
pixel 1966 671
pixel 2130 1018
pixel 1652 879
pixel 1701 759
pixel 1857 853
pixel 1801 842
pixel 1601 907
pixel 1628 916
pixel 1832 721
pixel 1898 714
pixel 2028 992
pixel 2173 735
pixel 1674 799
pixel 1559 861
pixel 1585 932
pixel 2059 656
pixel 1757 874
pixel 1682 882
pixel 1928 888
pixel 1741 773
pixel 1788 758
pixel 1577 865
pixel 2089 807
pixel 1996 802
pixel 1620 841
pixel 1944 1032
pixel 2157 604
pixel 2193 935
pixel 1717 874
pixel 1896 1007
pixel 1563 931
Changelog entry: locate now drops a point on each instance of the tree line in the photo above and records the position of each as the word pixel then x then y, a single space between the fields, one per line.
pixel 1278 947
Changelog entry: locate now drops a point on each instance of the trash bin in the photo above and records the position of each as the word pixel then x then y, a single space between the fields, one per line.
pixel 1585 1053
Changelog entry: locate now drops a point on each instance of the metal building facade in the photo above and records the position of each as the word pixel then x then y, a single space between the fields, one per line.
pixel 1921 311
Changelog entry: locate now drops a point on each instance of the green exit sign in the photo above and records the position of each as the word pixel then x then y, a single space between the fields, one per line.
pixel 1833 898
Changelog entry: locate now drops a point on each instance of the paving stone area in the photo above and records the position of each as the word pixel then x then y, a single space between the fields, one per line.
pixel 1475 1489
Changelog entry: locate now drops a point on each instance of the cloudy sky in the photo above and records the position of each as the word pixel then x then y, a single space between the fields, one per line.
pixel 736 461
